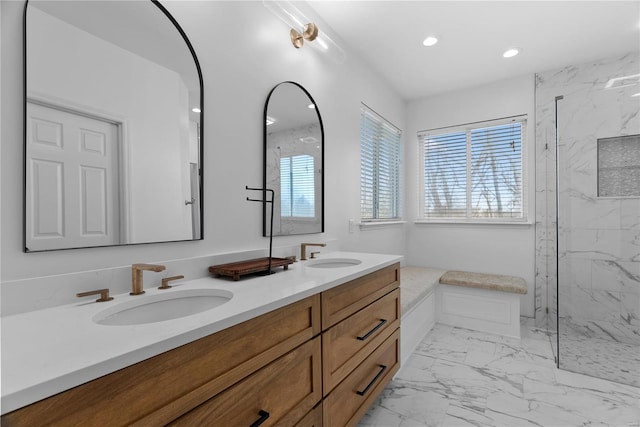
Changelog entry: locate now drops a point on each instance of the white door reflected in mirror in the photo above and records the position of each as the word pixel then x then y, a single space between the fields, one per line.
pixel 124 64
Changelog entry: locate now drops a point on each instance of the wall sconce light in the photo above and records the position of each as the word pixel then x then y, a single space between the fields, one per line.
pixel 302 28
pixel 310 33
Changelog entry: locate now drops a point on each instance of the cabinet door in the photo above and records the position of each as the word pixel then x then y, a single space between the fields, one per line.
pixel 347 344
pixel 349 401
pixel 344 300
pixel 281 393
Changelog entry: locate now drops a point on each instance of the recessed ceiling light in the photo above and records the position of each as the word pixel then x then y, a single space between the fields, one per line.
pixel 196 110
pixel 510 53
pixel 636 94
pixel 430 41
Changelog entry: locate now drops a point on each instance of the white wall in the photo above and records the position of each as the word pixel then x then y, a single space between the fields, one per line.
pixel 500 249
pixel 239 68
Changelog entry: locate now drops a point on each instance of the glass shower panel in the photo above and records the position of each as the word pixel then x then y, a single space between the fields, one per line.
pixel 598 235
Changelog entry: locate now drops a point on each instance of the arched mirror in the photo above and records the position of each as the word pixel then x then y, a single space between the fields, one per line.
pixel 294 161
pixel 113 126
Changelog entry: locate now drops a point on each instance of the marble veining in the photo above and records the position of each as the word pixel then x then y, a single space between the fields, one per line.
pixel 458 377
pixel 601 357
pixel 597 286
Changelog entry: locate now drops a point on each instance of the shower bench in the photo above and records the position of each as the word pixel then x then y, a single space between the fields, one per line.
pixel 484 302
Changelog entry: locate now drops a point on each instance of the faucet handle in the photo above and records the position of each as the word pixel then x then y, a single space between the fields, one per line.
pixel 104 295
pixel 166 280
pixel 313 254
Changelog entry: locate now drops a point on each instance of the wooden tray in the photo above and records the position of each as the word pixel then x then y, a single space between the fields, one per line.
pixel 241 268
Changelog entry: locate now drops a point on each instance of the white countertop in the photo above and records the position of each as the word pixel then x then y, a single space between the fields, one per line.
pixel 48 351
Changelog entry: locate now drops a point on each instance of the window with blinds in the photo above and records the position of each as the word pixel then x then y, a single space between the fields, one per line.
pixel 297 186
pixel 474 172
pixel 379 167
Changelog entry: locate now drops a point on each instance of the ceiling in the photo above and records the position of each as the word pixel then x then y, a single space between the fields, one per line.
pixel 473 35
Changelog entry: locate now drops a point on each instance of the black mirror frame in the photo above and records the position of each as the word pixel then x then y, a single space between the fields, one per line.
pixel 265 219
pixel 24 131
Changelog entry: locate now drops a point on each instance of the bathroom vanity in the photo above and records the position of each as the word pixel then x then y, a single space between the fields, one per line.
pixel 309 347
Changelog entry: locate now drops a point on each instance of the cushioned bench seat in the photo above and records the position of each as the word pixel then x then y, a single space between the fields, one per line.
pixel 494 282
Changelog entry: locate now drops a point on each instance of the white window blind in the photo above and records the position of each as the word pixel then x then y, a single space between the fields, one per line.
pixel 379 167
pixel 297 186
pixel 474 172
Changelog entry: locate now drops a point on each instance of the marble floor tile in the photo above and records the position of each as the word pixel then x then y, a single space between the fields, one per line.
pixel 608 359
pixel 458 377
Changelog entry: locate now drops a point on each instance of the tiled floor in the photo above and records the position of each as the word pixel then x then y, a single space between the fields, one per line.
pixel 600 358
pixel 458 377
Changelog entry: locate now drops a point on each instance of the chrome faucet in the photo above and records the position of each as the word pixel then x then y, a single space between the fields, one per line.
pixel 136 276
pixel 303 249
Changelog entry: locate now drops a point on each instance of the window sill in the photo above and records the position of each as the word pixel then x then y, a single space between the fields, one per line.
pixel 373 225
pixel 478 223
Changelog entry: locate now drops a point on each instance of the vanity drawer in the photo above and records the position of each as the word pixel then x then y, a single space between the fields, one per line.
pixel 342 301
pixel 349 401
pixel 162 388
pixel 313 418
pixel 347 344
pixel 281 393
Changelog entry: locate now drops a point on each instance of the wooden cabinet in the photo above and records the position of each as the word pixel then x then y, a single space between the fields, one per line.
pixel 280 393
pixel 275 369
pixel 350 342
pixel 360 344
pixel 344 300
pixel 349 401
pixel 313 418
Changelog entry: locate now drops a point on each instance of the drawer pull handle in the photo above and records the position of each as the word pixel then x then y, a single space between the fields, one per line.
pixel 368 334
pixel 263 417
pixel 378 375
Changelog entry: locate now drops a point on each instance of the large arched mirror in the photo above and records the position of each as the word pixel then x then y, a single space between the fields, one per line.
pixel 113 126
pixel 294 161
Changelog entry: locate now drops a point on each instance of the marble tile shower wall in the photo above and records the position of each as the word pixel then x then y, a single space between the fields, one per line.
pixel 599 238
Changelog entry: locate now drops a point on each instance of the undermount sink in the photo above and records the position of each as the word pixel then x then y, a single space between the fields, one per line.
pixel 157 308
pixel 334 263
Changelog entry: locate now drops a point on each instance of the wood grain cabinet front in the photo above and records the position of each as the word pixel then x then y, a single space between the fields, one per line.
pixel 349 401
pixel 348 343
pixel 342 301
pixel 360 344
pixel 281 393
pixel 313 418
